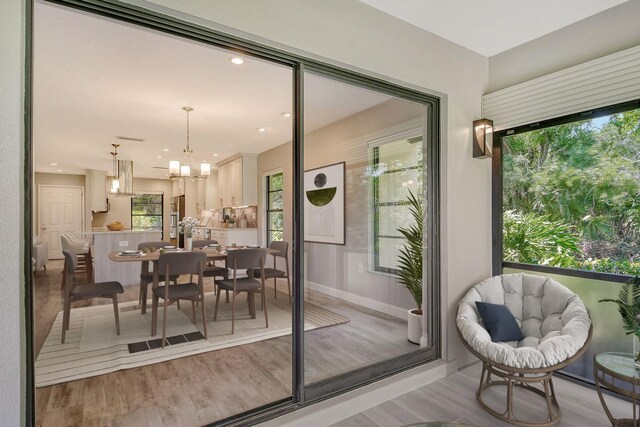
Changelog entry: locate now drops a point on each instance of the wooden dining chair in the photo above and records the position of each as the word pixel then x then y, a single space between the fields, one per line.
pixel 87 291
pixel 146 276
pixel 178 263
pixel 82 249
pixel 281 249
pixel 240 259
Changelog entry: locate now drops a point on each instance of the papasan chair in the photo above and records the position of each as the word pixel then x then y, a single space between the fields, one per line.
pixel 554 329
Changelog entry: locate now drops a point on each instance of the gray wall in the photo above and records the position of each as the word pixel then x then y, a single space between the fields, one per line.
pixel 12 360
pixel 608 32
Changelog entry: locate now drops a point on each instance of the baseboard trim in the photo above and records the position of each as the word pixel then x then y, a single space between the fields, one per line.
pixel 338 408
pixel 392 310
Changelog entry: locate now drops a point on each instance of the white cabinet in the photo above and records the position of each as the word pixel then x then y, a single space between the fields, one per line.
pixel 238 180
pixel 96 190
pixel 239 236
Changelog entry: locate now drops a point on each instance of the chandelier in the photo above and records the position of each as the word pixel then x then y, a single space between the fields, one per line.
pixel 187 169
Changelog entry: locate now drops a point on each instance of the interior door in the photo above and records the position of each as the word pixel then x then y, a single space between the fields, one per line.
pixel 60 210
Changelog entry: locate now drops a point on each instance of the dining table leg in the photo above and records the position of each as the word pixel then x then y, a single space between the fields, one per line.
pixel 251 297
pixel 143 309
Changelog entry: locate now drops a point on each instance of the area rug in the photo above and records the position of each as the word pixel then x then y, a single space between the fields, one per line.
pixel 92 347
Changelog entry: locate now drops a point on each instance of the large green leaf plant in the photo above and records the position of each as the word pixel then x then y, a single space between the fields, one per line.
pixel 410 257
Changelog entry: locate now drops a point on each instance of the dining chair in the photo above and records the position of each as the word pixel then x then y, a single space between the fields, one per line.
pixel 146 276
pixel 282 251
pixel 82 249
pixel 86 291
pixel 177 263
pixel 240 259
pixel 211 269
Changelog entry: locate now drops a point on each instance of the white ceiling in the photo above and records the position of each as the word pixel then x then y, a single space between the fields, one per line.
pixel 95 79
pixel 491 26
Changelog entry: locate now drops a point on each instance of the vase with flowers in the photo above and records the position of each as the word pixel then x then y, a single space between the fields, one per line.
pixel 629 308
pixel 186 227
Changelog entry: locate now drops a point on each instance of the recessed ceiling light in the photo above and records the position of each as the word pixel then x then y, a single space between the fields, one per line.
pixel 165 149
pixel 58 170
pixel 53 164
pixel 215 155
pixel 236 60
pixel 158 157
pixel 285 115
pixel 261 129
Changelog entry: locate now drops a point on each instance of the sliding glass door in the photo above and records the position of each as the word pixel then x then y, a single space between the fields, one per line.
pixel 368 266
pixel 335 173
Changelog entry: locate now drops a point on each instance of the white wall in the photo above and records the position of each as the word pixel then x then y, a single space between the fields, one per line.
pixel 356 36
pixel 610 31
pixel 12 359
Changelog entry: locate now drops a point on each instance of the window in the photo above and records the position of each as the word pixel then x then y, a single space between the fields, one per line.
pixel 397 167
pixel 146 211
pixel 571 193
pixel 275 219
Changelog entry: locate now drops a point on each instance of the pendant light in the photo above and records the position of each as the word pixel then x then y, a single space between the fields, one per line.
pixel 187 169
pixel 122 178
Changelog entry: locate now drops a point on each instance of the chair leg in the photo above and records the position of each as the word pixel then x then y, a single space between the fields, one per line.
pixel 154 315
pixel 264 305
pixel 45 267
pixel 227 295
pixel 215 313
pixel 193 311
pixel 65 318
pixel 204 317
pixel 164 321
pixel 233 313
pixel 289 286
pixel 178 304
pixel 115 312
pixel 275 288
pixel 88 259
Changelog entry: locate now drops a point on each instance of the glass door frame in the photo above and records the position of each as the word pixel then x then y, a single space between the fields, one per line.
pixel 301 395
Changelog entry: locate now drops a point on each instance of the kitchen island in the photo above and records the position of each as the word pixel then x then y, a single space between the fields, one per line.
pixel 104 241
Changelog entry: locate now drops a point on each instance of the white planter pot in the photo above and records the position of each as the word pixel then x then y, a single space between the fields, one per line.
pixel 414 327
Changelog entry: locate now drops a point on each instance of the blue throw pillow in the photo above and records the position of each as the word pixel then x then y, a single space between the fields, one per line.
pixel 499 321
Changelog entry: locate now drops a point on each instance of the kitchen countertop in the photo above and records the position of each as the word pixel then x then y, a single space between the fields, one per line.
pixel 123 231
pixel 229 229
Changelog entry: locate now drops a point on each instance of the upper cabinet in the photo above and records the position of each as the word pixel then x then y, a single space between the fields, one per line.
pixel 96 190
pixel 238 180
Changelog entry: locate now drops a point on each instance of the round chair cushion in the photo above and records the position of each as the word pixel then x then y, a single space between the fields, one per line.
pixel 553 320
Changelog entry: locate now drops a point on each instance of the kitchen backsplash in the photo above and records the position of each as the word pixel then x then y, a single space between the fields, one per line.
pixel 246 217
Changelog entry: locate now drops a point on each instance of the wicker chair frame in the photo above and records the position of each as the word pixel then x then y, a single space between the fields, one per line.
pixel 538 381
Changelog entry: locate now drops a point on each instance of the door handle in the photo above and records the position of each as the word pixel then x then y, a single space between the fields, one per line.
pixel 44 228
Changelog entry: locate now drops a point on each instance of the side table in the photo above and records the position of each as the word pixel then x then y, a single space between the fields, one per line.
pixel 613 370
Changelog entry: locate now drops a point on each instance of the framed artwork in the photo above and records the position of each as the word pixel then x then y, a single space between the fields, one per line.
pixel 324 205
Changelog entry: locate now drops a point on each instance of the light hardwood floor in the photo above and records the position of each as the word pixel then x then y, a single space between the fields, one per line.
pixel 453 399
pixel 201 389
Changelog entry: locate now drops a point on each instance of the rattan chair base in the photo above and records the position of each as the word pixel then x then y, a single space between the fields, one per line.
pixel 512 380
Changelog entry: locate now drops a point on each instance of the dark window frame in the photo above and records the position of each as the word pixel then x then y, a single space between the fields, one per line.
pixel 268 192
pixel 496 194
pixel 149 215
pixel 376 210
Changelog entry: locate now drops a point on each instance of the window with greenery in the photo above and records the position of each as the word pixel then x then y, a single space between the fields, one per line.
pixel 275 218
pixel 571 195
pixel 397 169
pixel 146 211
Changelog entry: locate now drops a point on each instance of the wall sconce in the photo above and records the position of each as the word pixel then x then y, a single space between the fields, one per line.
pixel 482 138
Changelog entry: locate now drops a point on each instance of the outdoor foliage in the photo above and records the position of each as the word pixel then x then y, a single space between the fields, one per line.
pixel 410 256
pixel 571 195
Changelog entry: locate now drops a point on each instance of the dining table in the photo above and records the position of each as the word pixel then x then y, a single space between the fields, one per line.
pixel 153 257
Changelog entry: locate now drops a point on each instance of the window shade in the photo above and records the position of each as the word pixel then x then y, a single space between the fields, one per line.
pixel 605 81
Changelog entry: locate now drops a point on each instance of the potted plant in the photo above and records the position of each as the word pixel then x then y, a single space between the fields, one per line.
pixel 410 267
pixel 186 227
pixel 629 308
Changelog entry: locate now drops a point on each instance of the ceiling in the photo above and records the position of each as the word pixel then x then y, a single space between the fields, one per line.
pixel 489 27
pixel 95 79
